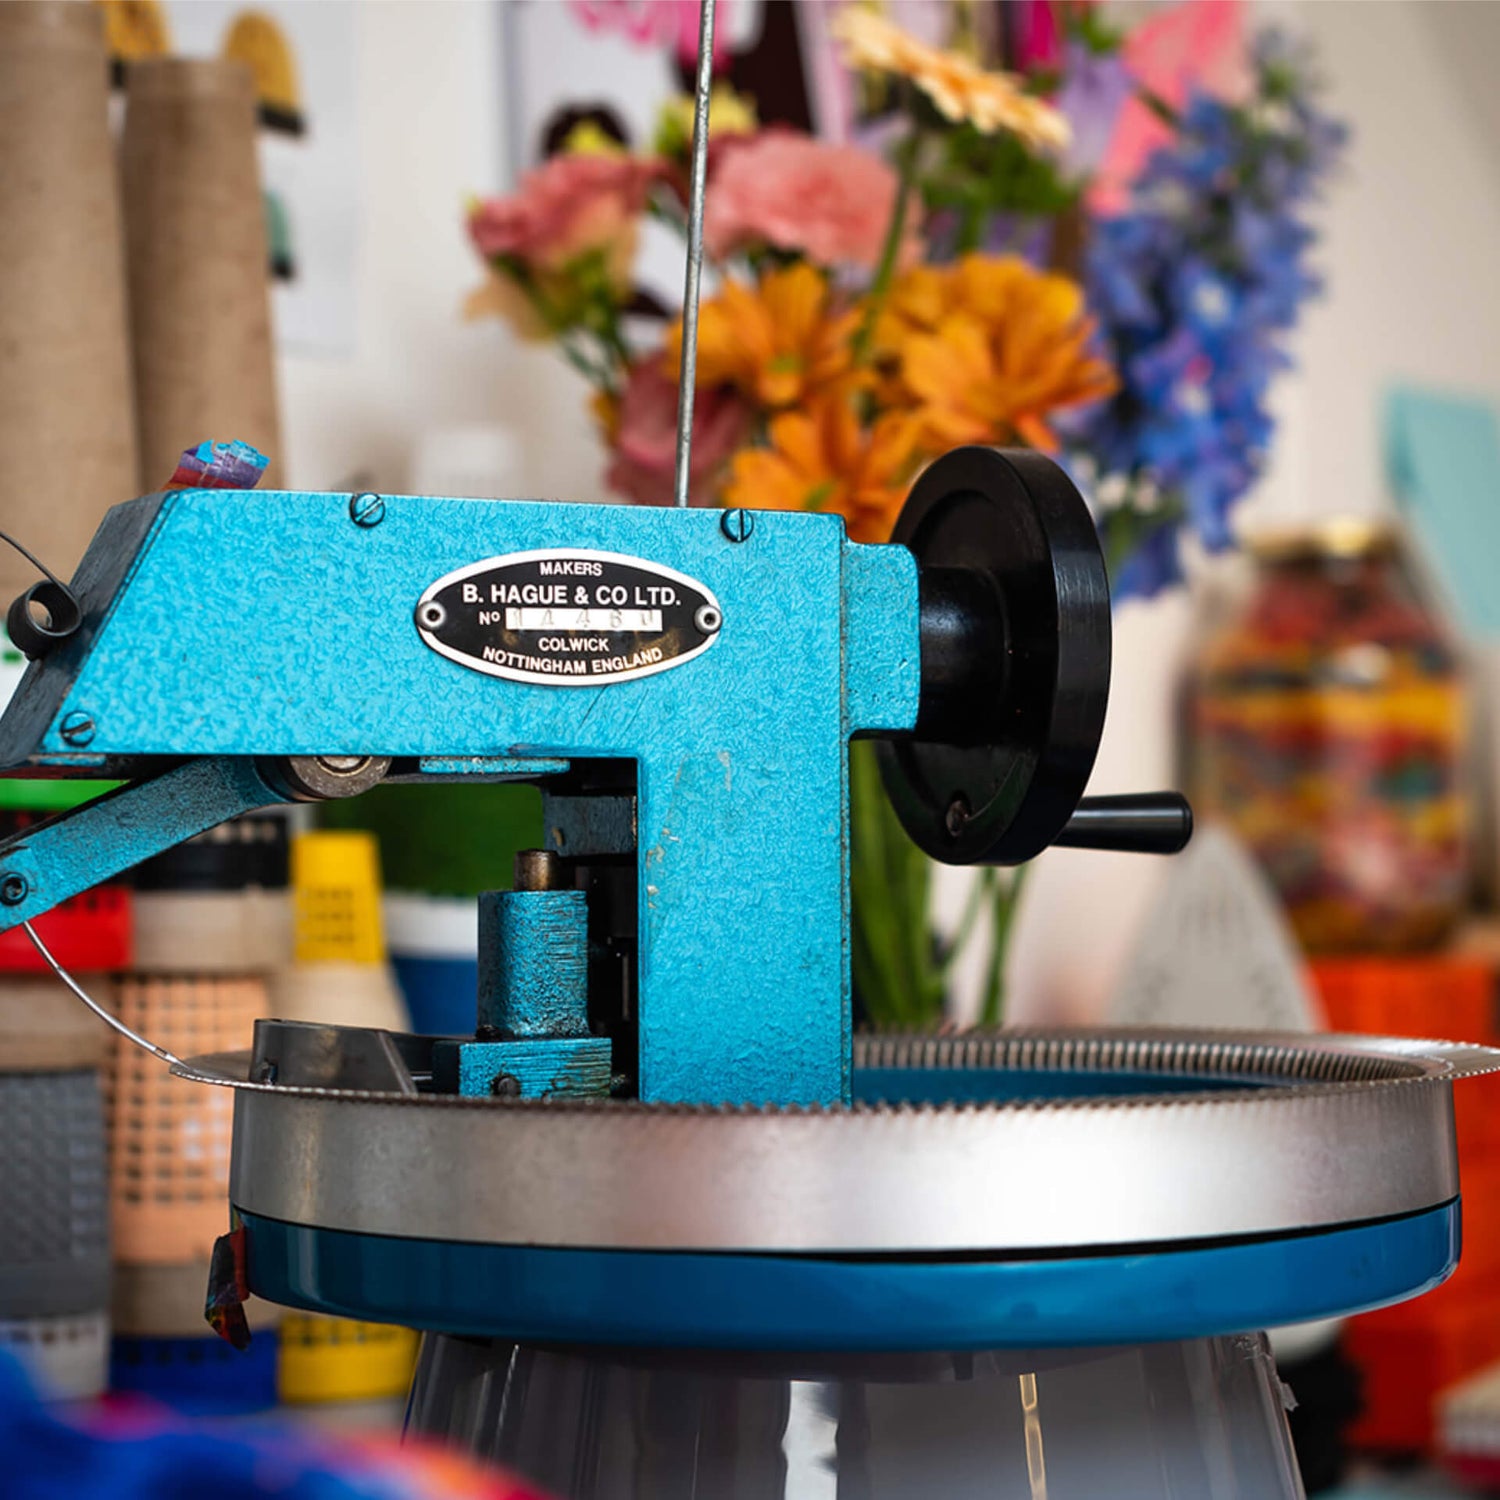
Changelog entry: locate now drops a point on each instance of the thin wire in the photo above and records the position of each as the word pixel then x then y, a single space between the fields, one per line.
pixel 111 1021
pixel 688 375
pixel 35 562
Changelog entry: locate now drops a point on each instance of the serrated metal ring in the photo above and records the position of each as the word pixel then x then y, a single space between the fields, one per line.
pixel 1326 1131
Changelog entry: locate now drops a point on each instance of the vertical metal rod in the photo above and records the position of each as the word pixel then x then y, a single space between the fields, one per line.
pixel 688 374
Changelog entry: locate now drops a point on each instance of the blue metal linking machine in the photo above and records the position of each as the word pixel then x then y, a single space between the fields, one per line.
pixel 671 1227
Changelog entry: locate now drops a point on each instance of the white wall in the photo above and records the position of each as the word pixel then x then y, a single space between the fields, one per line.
pixel 1412 251
pixel 1413 234
pixel 431 134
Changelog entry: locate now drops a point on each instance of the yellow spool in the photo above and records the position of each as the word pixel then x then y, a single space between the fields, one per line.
pixel 339 1359
pixel 256 39
pixel 336 895
pixel 135 28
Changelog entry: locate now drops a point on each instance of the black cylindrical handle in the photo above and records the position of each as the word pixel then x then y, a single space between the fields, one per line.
pixel 1141 823
pixel 962 634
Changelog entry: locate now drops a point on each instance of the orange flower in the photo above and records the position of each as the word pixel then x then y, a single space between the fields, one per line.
pixel 917 302
pixel 1007 346
pixel 779 343
pixel 823 459
pixel 959 88
pixel 604 407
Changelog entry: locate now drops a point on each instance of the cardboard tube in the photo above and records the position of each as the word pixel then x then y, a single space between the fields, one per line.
pixel 67 434
pixel 43 1029
pixel 199 288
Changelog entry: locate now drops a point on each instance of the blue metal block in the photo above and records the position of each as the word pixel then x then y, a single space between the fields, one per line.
pixel 882 658
pixel 533 963
pixel 299 630
pixel 561 1068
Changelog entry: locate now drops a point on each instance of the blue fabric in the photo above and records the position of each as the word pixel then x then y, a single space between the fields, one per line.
pixel 49 1455
pixel 201 1375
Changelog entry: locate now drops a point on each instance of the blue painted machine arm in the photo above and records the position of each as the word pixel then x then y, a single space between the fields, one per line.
pixel 42 866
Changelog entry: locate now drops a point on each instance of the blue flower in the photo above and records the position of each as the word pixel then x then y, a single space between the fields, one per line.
pixel 1153 565
pixel 1194 288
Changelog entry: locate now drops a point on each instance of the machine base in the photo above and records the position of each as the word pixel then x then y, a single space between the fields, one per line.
pixel 679 1299
pixel 1202 1420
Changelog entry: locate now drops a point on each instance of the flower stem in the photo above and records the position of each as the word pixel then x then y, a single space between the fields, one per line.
pixel 906 164
pixel 595 374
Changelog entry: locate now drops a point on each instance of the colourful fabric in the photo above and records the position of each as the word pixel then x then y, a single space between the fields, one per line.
pixel 218 466
pixel 138 1452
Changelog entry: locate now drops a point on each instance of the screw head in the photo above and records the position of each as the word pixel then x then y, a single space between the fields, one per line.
pixel 366 509
pixel 737 524
pixel 13 889
pixel 956 819
pixel 77 728
pixel 506 1086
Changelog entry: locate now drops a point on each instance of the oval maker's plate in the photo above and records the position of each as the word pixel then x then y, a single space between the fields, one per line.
pixel 568 617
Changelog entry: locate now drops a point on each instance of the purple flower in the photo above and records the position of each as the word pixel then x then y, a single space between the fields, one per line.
pixel 1095 88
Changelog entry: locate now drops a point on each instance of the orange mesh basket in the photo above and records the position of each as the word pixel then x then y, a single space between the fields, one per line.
pixel 168 1138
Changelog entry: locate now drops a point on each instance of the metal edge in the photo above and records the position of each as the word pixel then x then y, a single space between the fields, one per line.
pixel 1145 1049
pixel 924 1179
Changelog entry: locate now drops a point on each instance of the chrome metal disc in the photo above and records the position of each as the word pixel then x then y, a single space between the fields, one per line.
pixel 1175 1139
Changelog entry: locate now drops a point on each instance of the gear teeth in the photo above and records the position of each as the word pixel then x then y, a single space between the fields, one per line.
pixel 1270 1065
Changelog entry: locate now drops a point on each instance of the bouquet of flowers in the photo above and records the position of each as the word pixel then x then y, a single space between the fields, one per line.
pixel 872 309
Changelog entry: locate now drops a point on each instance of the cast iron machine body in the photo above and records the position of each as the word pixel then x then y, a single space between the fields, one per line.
pixel 683 684
pixel 661 1134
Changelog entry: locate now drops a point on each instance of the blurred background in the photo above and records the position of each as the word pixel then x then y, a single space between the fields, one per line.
pixel 310 225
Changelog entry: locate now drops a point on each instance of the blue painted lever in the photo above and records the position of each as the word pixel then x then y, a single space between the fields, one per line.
pixel 42 866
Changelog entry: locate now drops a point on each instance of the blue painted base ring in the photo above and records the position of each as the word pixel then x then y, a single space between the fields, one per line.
pixel 764 1302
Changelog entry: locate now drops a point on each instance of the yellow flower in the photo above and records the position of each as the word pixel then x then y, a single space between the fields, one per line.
pixel 822 459
pixel 729 113
pixel 959 88
pixel 589 138
pixel 1005 346
pixel 779 342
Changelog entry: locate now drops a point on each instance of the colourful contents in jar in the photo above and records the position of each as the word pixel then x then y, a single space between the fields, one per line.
pixel 1330 725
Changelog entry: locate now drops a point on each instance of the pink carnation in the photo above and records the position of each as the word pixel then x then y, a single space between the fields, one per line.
pixel 830 203
pixel 571 204
pixel 645 450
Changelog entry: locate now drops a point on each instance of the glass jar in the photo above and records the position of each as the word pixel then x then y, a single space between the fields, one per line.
pixel 1328 729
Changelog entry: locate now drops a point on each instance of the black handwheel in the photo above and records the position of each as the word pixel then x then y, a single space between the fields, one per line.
pixel 1015 634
